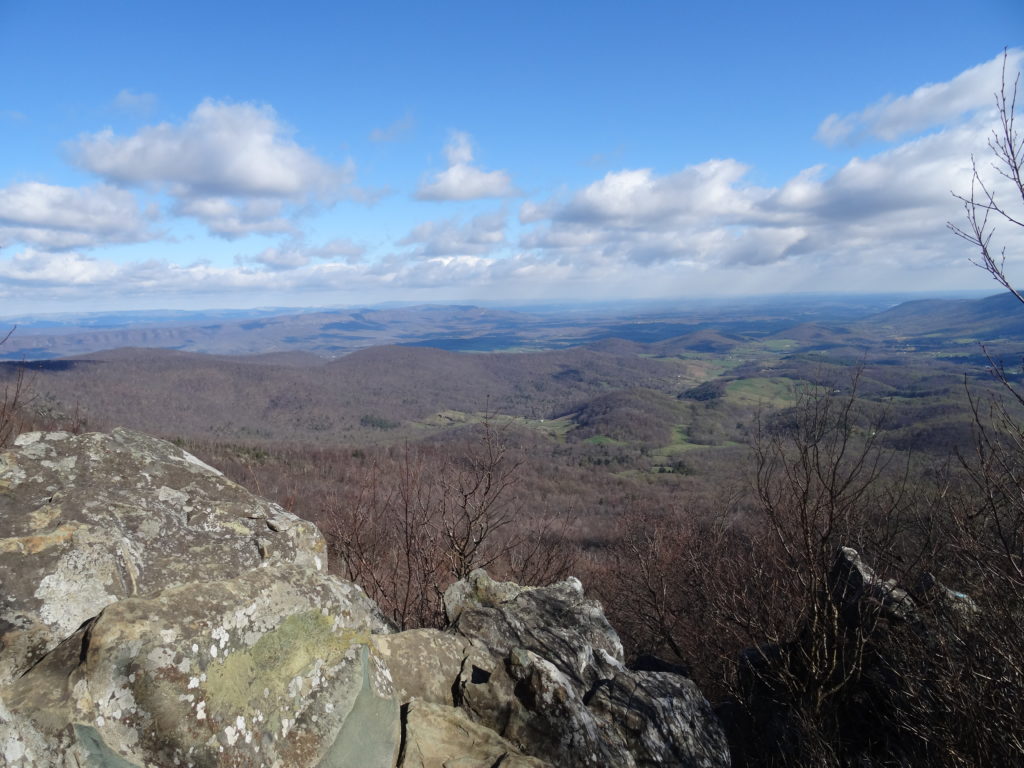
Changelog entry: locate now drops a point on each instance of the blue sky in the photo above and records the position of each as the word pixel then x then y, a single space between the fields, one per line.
pixel 227 154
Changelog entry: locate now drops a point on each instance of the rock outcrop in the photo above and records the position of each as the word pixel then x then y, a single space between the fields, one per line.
pixel 888 668
pixel 88 520
pixel 556 685
pixel 155 613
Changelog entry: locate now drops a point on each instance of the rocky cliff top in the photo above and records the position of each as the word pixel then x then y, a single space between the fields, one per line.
pixel 154 613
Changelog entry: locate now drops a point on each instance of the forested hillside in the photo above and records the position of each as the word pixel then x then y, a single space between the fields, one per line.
pixel 700 485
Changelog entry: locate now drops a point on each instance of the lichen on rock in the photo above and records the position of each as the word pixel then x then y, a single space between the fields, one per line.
pixel 155 613
pixel 86 520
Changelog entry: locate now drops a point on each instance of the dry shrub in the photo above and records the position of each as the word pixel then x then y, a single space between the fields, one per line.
pixel 13 402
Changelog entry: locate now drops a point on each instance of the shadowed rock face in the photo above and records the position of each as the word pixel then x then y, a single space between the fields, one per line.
pixel 155 613
pixel 555 684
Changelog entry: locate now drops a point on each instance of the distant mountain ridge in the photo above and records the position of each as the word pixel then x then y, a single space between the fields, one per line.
pixel 996 316
pixel 699 327
pixel 328 334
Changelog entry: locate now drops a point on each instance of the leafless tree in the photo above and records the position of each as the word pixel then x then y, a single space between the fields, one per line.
pixel 989 532
pixel 385 538
pixel 416 522
pixel 12 402
pixel 823 480
pixel 477 504
pixel 963 682
pixel 982 206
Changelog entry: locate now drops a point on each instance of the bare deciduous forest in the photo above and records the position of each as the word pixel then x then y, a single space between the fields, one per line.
pixel 706 515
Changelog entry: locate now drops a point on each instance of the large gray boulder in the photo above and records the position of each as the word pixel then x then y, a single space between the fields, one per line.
pixel 555 684
pixel 87 520
pixel 274 667
pixel 155 614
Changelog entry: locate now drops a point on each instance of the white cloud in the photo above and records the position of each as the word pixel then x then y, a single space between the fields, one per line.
pixel 531 212
pixel 222 149
pixel 876 223
pixel 929 106
pixel 235 167
pixel 482 235
pixel 632 232
pixel 459 150
pixel 279 258
pixel 73 276
pixel 637 198
pixel 230 219
pixel 55 218
pixel 339 248
pixel 56 269
pixel 873 211
pixel 461 180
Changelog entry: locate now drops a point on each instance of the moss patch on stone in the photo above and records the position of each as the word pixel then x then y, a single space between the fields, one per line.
pixel 259 677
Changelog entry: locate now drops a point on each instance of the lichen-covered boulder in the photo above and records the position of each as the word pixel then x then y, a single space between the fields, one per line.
pixel 156 614
pixel 557 688
pixel 478 589
pixel 22 745
pixel 86 520
pixel 272 668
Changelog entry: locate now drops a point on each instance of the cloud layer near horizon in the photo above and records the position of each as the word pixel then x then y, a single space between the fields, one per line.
pixel 238 171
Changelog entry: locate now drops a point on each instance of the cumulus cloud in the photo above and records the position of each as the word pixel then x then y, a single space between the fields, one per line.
pixel 482 235
pixel 55 269
pixel 233 166
pixel 636 198
pixel 339 248
pixel 331 267
pixel 231 218
pixel 635 231
pixel 57 218
pixel 221 149
pixel 888 207
pixel 643 218
pixel 930 105
pixel 288 257
pixel 461 180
